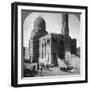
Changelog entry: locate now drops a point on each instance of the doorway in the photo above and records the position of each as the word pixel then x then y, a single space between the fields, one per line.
pixel 55 59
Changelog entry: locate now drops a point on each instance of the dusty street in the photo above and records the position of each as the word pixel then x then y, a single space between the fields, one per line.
pixel 56 71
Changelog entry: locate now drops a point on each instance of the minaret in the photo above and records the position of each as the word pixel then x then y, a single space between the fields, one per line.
pixel 65 33
pixel 65 27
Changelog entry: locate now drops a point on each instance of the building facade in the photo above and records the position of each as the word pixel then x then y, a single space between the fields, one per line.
pixel 47 47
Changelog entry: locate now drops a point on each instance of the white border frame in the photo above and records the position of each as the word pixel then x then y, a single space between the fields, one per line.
pixel 53 78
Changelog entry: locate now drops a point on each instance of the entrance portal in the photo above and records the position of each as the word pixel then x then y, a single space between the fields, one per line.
pixel 55 59
pixel 61 49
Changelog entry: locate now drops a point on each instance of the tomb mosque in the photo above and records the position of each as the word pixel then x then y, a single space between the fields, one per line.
pixel 47 47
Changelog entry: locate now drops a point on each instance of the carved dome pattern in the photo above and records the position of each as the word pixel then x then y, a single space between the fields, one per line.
pixel 39 24
pixel 39 28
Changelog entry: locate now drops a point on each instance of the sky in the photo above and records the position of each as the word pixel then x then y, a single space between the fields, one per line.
pixel 53 24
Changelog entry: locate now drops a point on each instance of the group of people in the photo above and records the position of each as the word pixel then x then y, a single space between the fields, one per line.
pixel 42 66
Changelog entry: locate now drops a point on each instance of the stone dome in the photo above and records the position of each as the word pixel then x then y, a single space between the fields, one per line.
pixel 39 28
pixel 39 24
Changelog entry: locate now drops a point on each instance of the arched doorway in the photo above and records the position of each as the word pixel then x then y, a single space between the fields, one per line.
pixel 61 49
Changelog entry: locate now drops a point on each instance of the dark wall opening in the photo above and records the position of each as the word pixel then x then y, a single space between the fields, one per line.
pixel 61 49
